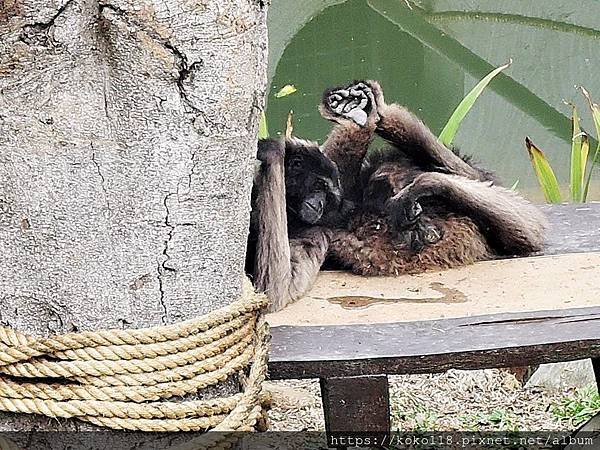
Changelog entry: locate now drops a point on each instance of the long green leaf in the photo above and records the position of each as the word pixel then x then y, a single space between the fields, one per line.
pixel 544 173
pixel 263 129
pixel 595 108
pixel 577 176
pixel 585 152
pixel 447 135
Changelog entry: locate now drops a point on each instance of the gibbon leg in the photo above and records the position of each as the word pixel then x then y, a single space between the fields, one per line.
pixel 284 268
pixel 512 225
pixel 406 131
pixel 352 109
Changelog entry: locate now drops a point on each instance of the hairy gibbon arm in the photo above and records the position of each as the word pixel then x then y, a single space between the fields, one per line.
pixel 284 268
pixel 406 131
pixel 511 224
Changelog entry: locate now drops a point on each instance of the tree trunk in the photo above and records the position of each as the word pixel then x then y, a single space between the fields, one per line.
pixel 127 136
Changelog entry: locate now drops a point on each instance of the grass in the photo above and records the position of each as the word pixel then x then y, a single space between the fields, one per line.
pixel 570 411
pixel 581 171
pixel 420 418
pixel 451 128
pixel 498 419
pixel 578 408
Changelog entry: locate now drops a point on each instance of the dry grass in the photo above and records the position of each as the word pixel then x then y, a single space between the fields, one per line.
pixel 457 400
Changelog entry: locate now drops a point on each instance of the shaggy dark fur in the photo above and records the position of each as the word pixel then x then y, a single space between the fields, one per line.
pixel 419 206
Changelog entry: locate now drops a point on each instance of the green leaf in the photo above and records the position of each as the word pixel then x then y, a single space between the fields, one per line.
pixel 447 135
pixel 595 108
pixel 585 152
pixel 577 163
pixel 497 416
pixel 286 90
pixel 263 129
pixel 514 186
pixel 544 173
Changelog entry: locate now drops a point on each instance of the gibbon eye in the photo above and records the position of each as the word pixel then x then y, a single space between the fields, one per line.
pixel 295 164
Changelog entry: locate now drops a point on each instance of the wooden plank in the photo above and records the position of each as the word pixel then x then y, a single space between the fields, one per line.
pixel 503 286
pixel 342 298
pixel 355 406
pixel 573 228
pixel 502 340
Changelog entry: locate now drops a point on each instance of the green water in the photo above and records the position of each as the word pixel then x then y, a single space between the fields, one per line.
pixel 430 55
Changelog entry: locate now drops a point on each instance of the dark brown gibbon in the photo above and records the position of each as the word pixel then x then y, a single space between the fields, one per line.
pixel 296 199
pixel 418 205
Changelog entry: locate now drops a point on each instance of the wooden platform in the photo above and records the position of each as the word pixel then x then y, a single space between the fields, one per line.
pixel 504 340
pixel 491 287
pixel 499 313
pixel 564 277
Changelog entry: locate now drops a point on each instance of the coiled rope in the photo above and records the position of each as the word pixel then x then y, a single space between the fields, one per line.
pixel 122 379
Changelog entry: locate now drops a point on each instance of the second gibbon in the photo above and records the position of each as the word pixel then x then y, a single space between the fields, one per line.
pixel 419 206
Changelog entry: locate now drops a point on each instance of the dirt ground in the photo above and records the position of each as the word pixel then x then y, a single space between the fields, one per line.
pixel 457 400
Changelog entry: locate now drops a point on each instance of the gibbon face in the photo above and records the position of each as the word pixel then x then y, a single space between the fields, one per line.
pixel 311 181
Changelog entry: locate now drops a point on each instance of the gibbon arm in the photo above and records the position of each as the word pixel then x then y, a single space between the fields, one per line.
pixel 360 108
pixel 406 131
pixel 511 224
pixel 284 268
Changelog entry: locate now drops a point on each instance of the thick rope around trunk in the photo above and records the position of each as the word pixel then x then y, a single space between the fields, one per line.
pixel 122 379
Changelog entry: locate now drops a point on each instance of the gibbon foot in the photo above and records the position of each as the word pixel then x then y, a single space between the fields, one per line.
pixel 405 212
pixel 355 102
pixel 407 219
pixel 428 233
pixel 421 235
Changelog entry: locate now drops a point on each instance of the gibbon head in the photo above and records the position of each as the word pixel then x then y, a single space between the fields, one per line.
pixel 312 182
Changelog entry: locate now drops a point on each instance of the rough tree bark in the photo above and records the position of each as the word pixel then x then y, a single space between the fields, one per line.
pixel 127 134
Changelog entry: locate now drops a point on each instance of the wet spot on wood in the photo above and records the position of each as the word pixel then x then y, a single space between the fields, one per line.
pixel 449 295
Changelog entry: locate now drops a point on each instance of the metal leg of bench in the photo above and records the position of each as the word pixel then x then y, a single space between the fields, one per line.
pixel 358 406
pixel 596 366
